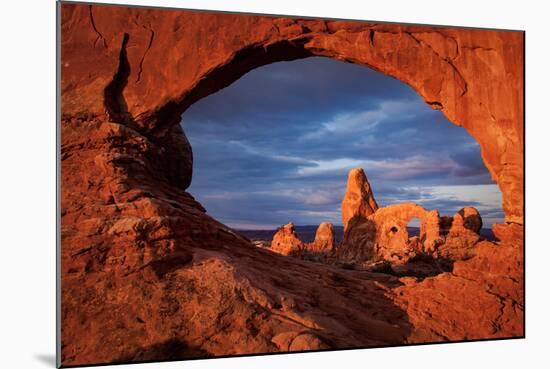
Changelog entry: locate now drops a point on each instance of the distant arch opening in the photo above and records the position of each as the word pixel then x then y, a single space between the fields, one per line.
pixel 275 147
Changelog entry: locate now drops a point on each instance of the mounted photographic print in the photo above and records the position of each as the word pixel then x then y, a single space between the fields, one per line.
pixel 238 184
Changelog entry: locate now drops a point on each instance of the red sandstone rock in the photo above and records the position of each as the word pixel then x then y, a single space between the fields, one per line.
pixel 481 298
pixel 475 77
pixel 286 242
pixel 359 241
pixel 508 233
pixel 392 237
pixel 461 235
pixel 359 199
pixel 324 239
pixel 147 275
pixel 384 235
pixel 469 219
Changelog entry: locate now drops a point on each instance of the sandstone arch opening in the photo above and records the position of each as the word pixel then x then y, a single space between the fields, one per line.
pixel 266 135
pixel 441 85
pixel 131 231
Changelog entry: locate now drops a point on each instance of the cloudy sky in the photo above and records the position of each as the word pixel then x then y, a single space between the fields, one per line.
pixel 277 144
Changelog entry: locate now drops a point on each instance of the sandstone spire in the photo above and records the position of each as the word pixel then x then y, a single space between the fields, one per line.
pixel 359 199
pixel 324 238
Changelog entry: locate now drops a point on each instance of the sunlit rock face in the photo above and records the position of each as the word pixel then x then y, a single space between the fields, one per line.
pixel 461 234
pixel 381 233
pixel 146 274
pixel 324 238
pixel 359 200
pixel 112 57
pixel 286 242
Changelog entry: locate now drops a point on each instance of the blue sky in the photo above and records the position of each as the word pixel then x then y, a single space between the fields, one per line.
pixel 276 146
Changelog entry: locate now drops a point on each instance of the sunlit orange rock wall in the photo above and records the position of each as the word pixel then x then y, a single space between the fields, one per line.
pixel 144 67
pixel 146 274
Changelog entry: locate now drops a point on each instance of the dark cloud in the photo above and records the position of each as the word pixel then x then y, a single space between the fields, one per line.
pixel 277 144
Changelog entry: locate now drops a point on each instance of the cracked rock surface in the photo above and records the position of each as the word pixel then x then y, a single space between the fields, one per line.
pixel 147 274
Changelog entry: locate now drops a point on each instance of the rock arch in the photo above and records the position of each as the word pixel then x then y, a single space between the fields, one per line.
pixel 392 236
pixel 130 231
pixel 384 235
pixel 475 77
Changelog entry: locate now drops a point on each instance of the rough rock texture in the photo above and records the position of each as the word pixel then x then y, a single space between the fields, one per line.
pixel 146 274
pixel 359 243
pixel 461 233
pixel 392 236
pixel 359 199
pixel 383 235
pixel 467 218
pixel 286 242
pixel 481 298
pixel 142 68
pixel 324 239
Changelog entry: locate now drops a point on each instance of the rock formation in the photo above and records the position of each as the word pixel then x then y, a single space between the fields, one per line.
pixel 324 239
pixel 383 235
pixel 482 297
pixel 146 274
pixel 359 243
pixel 461 233
pixel 112 55
pixel 392 236
pixel 359 199
pixel 286 242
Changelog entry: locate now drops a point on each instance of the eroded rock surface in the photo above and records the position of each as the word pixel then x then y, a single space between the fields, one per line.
pixel 481 298
pixel 359 200
pixel 147 274
pixel 111 58
pixel 384 235
pixel 461 234
pixel 286 242
pixel 324 239
pixel 392 236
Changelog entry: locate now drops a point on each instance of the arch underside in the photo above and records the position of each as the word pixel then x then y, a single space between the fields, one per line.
pixel 473 76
